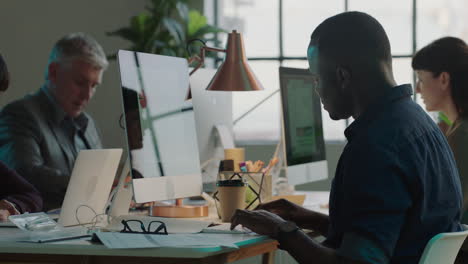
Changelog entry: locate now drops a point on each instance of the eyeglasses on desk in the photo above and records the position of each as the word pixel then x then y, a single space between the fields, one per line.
pixel 137 226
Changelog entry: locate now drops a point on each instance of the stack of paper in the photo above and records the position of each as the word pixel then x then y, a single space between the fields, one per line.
pixel 225 228
pixel 127 240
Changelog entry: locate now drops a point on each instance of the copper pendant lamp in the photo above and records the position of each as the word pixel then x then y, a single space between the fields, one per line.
pixel 234 74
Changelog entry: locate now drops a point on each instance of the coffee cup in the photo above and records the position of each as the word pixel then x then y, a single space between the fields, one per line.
pixel 231 195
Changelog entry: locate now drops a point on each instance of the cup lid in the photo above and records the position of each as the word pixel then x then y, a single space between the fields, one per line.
pixel 231 183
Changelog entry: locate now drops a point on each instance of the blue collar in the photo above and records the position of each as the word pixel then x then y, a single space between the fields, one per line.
pixel 373 110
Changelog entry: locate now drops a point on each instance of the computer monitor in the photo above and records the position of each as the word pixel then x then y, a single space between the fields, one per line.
pixel 213 116
pixel 162 138
pixel 302 135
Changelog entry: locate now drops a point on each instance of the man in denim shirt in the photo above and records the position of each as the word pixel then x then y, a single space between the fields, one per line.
pixel 396 184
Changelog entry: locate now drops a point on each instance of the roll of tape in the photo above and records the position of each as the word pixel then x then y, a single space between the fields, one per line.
pixel 235 154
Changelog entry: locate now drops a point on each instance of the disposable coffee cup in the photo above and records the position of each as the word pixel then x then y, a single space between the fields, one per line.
pixel 231 195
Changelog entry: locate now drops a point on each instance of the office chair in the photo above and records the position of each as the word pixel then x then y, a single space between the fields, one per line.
pixel 443 247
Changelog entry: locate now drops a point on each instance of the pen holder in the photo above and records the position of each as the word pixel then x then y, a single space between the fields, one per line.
pixel 259 188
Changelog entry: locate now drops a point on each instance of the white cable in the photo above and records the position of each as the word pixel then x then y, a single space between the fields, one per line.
pixel 204 164
pixel 94 221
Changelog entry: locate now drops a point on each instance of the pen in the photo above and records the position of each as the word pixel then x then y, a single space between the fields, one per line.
pixel 258 165
pixel 270 165
pixel 249 165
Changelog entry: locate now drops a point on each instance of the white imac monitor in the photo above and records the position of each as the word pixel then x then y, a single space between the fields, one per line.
pixel 213 116
pixel 160 126
pixel 304 145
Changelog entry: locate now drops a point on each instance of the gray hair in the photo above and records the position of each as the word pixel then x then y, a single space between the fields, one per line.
pixel 77 46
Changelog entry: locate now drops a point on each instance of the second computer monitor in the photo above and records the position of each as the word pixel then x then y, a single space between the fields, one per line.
pixel 302 127
pixel 213 116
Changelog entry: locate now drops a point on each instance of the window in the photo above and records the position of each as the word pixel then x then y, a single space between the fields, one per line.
pixel 262 125
pixel 395 16
pixel 280 35
pixel 439 18
pixel 257 30
pixel 299 22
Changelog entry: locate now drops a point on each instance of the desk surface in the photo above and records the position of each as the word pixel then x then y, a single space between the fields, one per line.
pixel 83 249
pixel 86 247
pixel 316 201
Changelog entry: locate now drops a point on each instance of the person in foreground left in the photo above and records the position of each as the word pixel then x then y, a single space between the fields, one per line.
pixel 16 194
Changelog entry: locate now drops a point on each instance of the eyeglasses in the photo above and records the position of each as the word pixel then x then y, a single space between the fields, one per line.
pixel 159 230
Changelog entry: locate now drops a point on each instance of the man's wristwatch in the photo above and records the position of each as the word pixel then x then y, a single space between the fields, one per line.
pixel 285 229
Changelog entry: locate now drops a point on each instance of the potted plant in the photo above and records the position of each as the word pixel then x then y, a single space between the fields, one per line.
pixel 165 28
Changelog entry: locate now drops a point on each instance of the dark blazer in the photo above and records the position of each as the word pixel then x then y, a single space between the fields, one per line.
pixel 34 142
pixel 18 191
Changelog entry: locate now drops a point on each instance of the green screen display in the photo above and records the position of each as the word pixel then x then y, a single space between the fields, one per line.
pixel 302 117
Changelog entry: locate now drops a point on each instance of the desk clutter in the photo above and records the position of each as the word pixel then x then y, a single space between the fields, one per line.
pixel 179 233
pixel 132 231
pixel 241 188
pixel 241 184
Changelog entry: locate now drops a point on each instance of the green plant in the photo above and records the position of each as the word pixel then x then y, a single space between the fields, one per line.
pixel 165 28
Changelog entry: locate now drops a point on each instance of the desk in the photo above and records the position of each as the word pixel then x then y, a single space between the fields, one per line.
pixel 315 200
pixel 83 251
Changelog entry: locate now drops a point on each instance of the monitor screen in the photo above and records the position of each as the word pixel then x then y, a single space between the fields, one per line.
pixel 160 126
pixel 302 119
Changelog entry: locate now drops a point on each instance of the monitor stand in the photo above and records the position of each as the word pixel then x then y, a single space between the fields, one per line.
pixel 179 210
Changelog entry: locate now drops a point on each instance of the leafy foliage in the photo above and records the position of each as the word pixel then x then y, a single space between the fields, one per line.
pixel 165 28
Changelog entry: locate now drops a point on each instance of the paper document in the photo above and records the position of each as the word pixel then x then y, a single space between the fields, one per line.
pixel 56 235
pixel 225 228
pixel 173 225
pixel 66 233
pixel 127 240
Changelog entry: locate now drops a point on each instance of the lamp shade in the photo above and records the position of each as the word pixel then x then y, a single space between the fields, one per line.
pixel 235 74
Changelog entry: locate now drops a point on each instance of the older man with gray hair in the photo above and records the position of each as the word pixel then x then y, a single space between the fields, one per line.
pixel 42 134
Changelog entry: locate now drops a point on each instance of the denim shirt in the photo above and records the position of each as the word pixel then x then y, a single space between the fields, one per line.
pixel 396 184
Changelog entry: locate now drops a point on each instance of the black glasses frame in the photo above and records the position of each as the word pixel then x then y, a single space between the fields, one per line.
pixel 160 230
